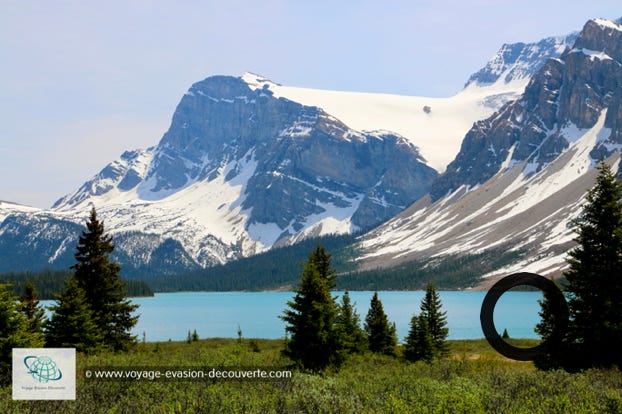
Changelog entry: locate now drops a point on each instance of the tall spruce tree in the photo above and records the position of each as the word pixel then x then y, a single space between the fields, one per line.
pixel 15 330
pixel 349 329
pixel 314 342
pixel 419 344
pixel 436 320
pixel 381 335
pixel 595 277
pixel 98 276
pixel 73 323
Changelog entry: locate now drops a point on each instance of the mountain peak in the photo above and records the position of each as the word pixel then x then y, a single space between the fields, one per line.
pixel 255 81
pixel 608 24
pixel 601 35
pixel 519 61
pixel 240 170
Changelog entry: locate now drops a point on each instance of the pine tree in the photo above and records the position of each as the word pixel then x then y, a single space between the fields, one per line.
pixel 73 323
pixel 314 343
pixel 436 320
pixel 352 336
pixel 29 303
pixel 105 293
pixel 557 353
pixel 15 330
pixel 381 336
pixel 594 276
pixel 419 344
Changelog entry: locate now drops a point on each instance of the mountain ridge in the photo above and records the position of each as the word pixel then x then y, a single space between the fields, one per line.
pixel 238 171
pixel 522 174
pixel 249 164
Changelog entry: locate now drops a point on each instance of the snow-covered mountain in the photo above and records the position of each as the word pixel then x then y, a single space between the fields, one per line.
pixel 238 171
pixel 522 174
pixel 7 208
pixel 435 125
pixel 520 61
pixel 249 164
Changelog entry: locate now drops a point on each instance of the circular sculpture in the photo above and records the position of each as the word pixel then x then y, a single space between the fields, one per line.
pixel 558 303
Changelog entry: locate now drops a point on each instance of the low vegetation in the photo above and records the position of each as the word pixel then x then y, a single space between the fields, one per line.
pixel 473 379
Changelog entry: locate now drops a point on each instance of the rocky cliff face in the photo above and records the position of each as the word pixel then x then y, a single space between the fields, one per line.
pixel 521 176
pixel 517 61
pixel 567 92
pixel 303 159
pixel 238 172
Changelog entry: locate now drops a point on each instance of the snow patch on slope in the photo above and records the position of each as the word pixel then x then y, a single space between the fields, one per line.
pixel 608 23
pixel 518 207
pixel 437 130
pixel 7 208
pixel 199 212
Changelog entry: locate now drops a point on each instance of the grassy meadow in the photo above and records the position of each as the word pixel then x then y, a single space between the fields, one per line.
pixel 475 379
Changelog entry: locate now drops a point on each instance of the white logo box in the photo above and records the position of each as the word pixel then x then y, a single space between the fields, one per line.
pixel 44 373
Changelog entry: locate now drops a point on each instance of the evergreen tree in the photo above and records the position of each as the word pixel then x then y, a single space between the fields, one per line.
pixel 15 330
pixel 352 336
pixel 436 320
pixel 594 276
pixel 419 344
pixel 29 303
pixel 314 343
pixel 381 335
pixel 73 323
pixel 105 293
pixel 557 351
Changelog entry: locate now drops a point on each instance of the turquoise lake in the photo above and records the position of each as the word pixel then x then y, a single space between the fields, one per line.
pixel 218 314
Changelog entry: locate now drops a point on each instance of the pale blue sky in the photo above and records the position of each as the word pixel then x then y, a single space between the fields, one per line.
pixel 81 81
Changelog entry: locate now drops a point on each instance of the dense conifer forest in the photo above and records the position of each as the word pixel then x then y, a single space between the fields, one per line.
pixel 279 269
pixel 51 282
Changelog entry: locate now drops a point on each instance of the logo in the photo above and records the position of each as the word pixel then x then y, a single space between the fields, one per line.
pixel 44 373
pixel 43 369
